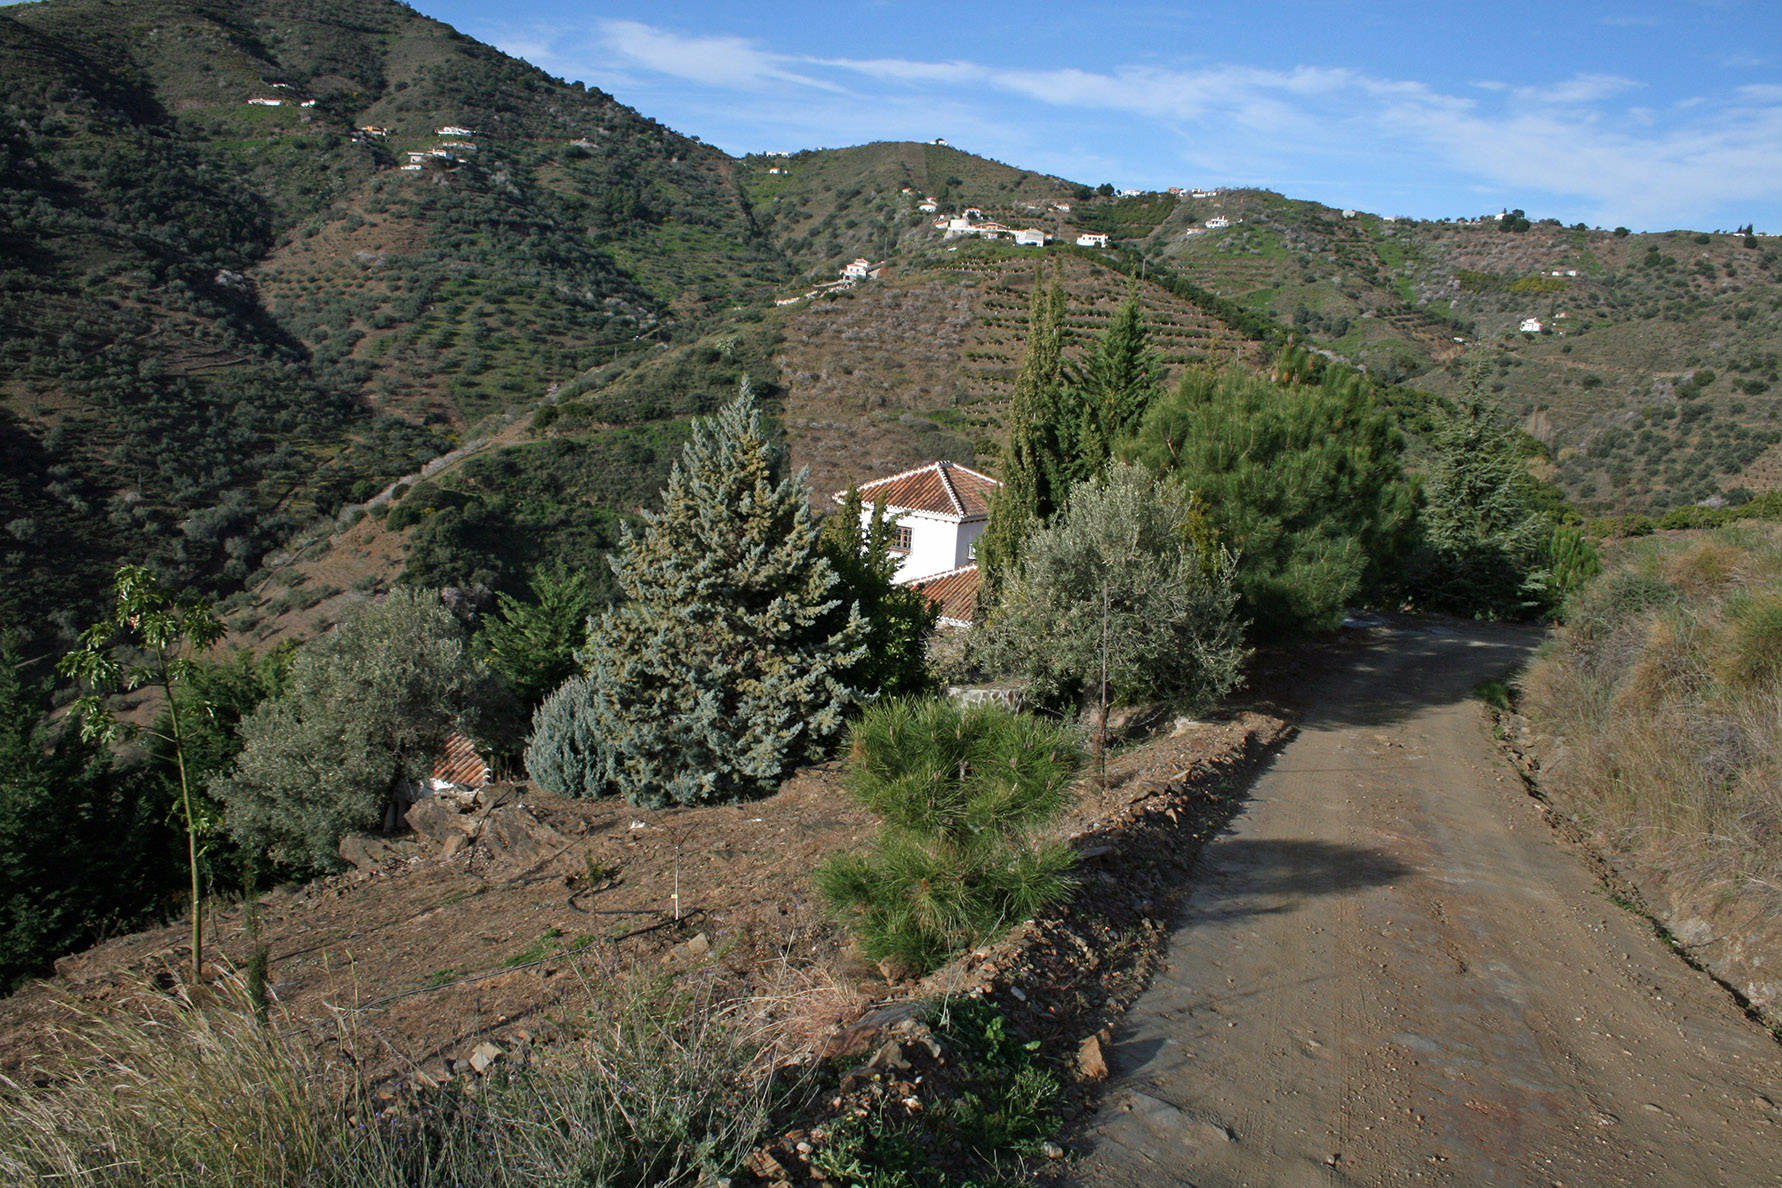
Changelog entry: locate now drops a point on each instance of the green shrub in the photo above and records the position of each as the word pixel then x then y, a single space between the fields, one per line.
pixel 1756 641
pixel 562 754
pixel 961 789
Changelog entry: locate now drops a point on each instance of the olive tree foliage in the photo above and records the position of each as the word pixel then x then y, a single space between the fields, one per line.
pixel 368 707
pixel 1125 596
pixel 723 668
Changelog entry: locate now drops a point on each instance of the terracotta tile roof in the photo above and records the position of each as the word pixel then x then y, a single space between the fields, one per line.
pixel 939 488
pixel 459 764
pixel 956 592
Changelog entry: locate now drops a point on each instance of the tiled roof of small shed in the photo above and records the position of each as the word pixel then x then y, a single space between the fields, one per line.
pixel 939 488
pixel 956 592
pixel 459 764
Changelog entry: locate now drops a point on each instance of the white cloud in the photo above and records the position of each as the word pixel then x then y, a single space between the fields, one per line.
pixel 1567 142
pixel 709 61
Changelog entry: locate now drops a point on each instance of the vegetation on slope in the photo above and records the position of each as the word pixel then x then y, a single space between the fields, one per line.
pixel 1664 686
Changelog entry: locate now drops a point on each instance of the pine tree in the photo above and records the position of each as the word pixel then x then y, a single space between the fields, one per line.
pixel 1034 471
pixel 1485 538
pixel 721 670
pixel 1305 483
pixel 1118 383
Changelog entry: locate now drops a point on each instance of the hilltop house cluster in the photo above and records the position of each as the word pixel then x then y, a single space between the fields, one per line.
pixel 971 221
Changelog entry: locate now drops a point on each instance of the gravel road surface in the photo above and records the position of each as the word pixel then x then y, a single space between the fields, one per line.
pixel 1392 972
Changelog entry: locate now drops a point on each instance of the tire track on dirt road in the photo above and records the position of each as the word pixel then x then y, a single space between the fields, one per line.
pixel 1391 972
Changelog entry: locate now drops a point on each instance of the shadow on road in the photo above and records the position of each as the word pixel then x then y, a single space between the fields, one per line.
pixel 1388 673
pixel 1264 877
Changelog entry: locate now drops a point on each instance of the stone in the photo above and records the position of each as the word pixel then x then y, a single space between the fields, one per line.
pixel 365 852
pixel 516 840
pixel 699 946
pixel 1092 1063
pixel 485 1056
pixel 437 819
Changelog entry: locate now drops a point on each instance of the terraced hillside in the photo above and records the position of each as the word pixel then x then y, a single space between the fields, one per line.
pixel 1652 378
pixel 920 364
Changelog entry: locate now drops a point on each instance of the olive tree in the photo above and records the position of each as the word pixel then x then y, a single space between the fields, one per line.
pixel 368 707
pixel 1126 595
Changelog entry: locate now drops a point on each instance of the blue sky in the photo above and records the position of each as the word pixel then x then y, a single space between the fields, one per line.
pixel 1654 115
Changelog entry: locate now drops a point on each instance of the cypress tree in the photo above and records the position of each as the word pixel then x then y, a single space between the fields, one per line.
pixel 899 619
pixel 723 668
pixel 1034 471
pixel 1121 378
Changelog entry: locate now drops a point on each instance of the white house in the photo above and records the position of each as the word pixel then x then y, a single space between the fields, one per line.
pixel 1031 237
pixel 858 270
pixel 971 214
pixel 261 101
pixel 928 206
pixel 937 511
pixel 1092 239
pixel 455 130
pixel 1217 221
pixel 1531 325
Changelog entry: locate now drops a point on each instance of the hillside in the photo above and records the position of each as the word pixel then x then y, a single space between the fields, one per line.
pixel 825 206
pixel 1651 382
pixel 226 316
pixel 237 311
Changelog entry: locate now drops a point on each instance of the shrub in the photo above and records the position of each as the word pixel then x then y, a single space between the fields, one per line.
pixel 563 755
pixel 961 790
pixel 1756 641
pixel 368 706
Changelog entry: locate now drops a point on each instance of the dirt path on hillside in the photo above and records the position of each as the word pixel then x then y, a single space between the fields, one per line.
pixel 1391 972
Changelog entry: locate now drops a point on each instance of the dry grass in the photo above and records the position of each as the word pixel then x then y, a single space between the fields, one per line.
pixel 661 1084
pixel 1666 685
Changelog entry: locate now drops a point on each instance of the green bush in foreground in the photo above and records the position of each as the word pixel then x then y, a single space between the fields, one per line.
pixel 961 790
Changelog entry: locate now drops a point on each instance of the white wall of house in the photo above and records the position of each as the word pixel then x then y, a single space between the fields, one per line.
pixel 937 543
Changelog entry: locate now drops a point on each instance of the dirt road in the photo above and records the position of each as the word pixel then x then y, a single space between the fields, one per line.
pixel 1391 972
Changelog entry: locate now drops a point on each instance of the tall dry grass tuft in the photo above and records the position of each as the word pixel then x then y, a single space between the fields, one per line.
pixel 186 1091
pixel 662 1084
pixel 1666 687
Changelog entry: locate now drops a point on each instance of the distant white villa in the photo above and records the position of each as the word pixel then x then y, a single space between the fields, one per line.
pixel 1531 325
pixel 937 513
pixel 455 130
pixel 1031 237
pixel 1217 221
pixel 1092 239
pixel 859 269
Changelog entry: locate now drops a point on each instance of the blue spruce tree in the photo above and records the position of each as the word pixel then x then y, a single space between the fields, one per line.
pixel 722 669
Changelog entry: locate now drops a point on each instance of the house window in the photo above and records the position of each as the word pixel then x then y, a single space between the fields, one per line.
pixel 900 538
